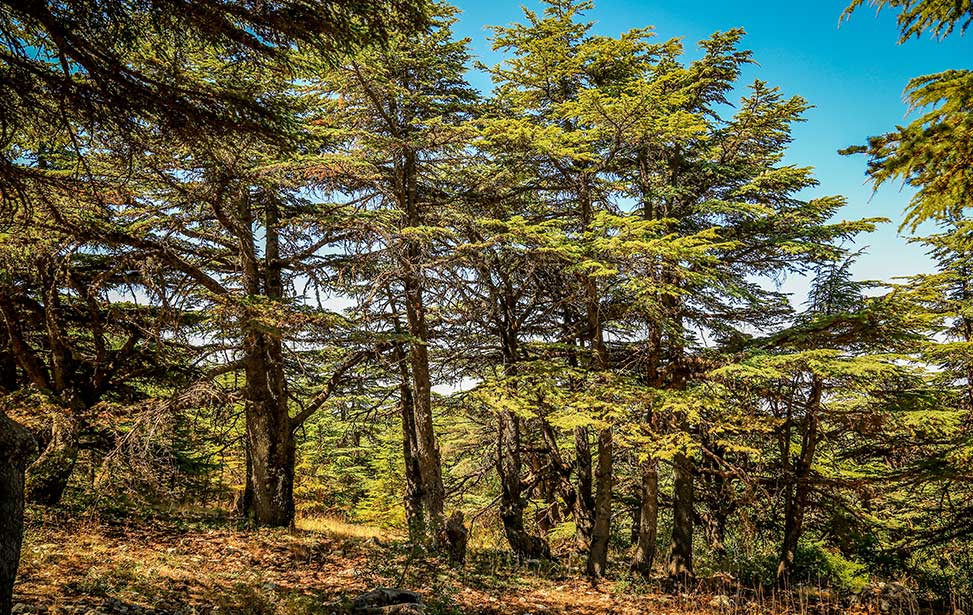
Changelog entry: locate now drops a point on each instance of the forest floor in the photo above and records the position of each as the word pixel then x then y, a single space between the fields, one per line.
pixel 178 566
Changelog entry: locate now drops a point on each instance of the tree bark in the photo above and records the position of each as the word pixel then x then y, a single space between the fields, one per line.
pixel 413 477
pixel 648 527
pixel 427 456
pixel 601 528
pixel 433 494
pixel 270 431
pixel 584 502
pixel 512 502
pixel 798 493
pixel 680 567
pixel 16 445
pixel 48 476
pixel 272 451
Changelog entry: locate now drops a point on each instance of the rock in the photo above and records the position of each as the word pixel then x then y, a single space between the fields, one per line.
pixel 721 602
pixel 888 598
pixel 388 601
pixel 395 609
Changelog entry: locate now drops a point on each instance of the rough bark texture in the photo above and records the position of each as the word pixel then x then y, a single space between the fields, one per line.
pixel 680 567
pixel 432 494
pixel 272 452
pixel 48 476
pixel 16 445
pixel 512 502
pixel 269 427
pixel 648 526
pixel 601 528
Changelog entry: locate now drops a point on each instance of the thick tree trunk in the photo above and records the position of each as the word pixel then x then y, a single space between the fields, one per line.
pixel 16 445
pixel 270 432
pixel 512 503
pixel 648 527
pixel 272 453
pixel 48 476
pixel 601 528
pixel 680 567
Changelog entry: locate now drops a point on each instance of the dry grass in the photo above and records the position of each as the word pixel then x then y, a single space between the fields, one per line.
pixel 178 567
pixel 339 527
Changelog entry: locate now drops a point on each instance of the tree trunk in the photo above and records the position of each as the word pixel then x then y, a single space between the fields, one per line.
pixel 48 476
pixel 798 493
pixel 601 528
pixel 270 432
pixel 433 493
pixel 512 503
pixel 413 477
pixel 648 527
pixel 16 445
pixel 680 568
pixel 584 503
pixel 272 452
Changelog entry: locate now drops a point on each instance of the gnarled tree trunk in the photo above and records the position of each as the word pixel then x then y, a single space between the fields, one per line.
pixel 512 503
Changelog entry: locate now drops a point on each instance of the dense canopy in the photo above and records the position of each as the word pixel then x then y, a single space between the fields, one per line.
pixel 282 260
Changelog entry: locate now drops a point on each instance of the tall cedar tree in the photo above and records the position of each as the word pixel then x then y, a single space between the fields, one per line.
pixel 715 212
pixel 398 119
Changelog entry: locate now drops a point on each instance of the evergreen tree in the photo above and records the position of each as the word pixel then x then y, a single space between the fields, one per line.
pixel 397 117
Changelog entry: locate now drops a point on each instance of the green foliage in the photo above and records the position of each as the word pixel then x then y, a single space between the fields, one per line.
pixel 543 298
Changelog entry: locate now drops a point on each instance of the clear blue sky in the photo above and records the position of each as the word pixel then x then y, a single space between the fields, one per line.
pixel 853 75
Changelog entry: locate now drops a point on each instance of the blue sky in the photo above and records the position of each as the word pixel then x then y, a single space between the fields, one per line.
pixel 853 75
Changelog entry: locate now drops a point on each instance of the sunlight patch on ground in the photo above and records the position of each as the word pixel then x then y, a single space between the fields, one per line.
pixel 339 527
